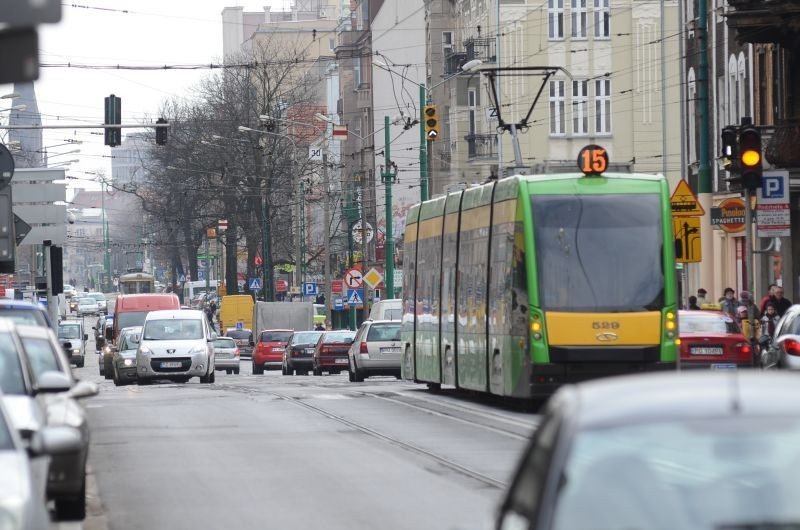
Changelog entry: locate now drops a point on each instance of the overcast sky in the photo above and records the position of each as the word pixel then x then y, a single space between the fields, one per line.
pixel 152 32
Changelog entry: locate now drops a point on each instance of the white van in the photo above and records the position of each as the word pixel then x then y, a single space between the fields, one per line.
pixel 391 309
pixel 176 345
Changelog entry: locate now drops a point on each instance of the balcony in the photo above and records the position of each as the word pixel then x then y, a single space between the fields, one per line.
pixel 481 48
pixel 781 143
pixel 453 61
pixel 481 146
pixel 758 21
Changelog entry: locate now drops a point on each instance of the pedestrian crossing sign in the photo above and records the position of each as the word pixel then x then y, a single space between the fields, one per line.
pixel 255 284
pixel 355 297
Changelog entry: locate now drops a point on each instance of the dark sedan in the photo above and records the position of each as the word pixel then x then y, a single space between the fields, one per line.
pixel 298 359
pixel 330 353
pixel 701 450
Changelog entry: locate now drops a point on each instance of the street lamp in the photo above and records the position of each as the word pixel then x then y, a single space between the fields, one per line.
pixel 10 96
pixel 68 162
pixel 266 247
pixel 15 107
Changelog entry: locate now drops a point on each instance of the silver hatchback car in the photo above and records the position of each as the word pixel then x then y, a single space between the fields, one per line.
pixel 784 350
pixel 375 350
pixel 226 355
pixel 123 362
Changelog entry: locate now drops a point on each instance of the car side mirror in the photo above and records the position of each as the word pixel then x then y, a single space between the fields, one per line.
pixel 53 382
pixel 252 343
pixel 84 389
pixel 85 336
pixel 55 441
pixel 94 328
pixel 67 345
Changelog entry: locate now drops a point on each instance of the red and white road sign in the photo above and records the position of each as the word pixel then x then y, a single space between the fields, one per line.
pixel 258 260
pixel 222 225
pixel 336 286
pixel 340 132
pixel 353 279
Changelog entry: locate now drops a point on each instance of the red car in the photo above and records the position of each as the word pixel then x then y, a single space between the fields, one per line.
pixel 330 353
pixel 268 353
pixel 712 339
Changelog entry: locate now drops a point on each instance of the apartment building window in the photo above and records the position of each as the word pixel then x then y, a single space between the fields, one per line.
pixel 332 44
pixel 602 19
pixel 356 73
pixel 742 82
pixel 556 107
pixel 733 91
pixel 555 19
pixel 472 97
pixel 447 42
pixel 602 106
pixel 691 97
pixel 578 17
pixel 580 110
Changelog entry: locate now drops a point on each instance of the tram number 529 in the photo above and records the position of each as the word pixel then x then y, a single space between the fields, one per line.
pixel 593 160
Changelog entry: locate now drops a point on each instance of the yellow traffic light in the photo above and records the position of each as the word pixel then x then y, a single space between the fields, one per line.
pixel 751 158
pixel 431 122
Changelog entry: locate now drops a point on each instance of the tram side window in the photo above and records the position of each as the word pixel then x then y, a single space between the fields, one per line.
pixel 447 307
pixel 500 287
pixel 409 276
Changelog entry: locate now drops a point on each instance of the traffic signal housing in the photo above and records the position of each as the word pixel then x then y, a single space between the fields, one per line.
pixel 161 132
pixel 431 122
pixel 750 155
pixel 113 115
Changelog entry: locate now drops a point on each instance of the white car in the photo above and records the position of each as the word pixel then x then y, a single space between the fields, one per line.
pixel 176 345
pixel 87 306
pixel 375 350
pixel 100 299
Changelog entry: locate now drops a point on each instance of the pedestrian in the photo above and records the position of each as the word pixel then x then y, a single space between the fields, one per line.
pixel 750 331
pixel 693 303
pixel 319 327
pixel 770 292
pixel 745 299
pixel 701 296
pixel 781 304
pixel 728 302
pixel 769 320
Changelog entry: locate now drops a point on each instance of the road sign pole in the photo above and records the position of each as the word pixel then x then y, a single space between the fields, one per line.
pixel 748 262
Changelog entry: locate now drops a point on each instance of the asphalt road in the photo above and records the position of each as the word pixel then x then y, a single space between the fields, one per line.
pixel 303 452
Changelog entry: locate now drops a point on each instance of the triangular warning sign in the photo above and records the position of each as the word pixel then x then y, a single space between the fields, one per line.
pixel 684 202
pixel 354 299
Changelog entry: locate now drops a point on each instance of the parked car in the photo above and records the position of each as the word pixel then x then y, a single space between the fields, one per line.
pixel 268 353
pixel 330 353
pixel 375 350
pixel 102 346
pixel 783 351
pixel 176 345
pixel 662 451
pixel 712 339
pixel 37 377
pixel 298 357
pixel 87 305
pixel 73 341
pixel 226 355
pixel 123 361
pixel 243 338
pixel 102 303
pixel 73 304
pixel 69 291
pixel 23 469
pixel 24 312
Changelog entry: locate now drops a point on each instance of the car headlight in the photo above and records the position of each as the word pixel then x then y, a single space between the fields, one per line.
pixel 106 349
pixel 144 350
pixel 76 350
pixel 129 362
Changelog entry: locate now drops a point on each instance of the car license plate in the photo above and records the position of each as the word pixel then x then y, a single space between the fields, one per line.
pixel 705 350
pixel 341 361
pixel 725 366
pixel 310 351
pixel 390 349
pixel 172 364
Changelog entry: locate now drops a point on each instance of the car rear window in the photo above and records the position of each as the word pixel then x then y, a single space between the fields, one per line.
pixel 275 336
pixel 224 342
pixel 383 332
pixel 41 355
pixel 339 336
pixel 29 317
pixel 11 378
pixel 700 323
pixel 306 337
pixel 238 333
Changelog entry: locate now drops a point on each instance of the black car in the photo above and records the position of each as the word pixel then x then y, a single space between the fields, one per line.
pixel 299 355
pixel 706 451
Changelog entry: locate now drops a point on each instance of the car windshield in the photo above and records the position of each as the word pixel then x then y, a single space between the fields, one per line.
pixel 306 337
pixel 224 342
pixel 573 235
pixel 700 323
pixel 275 336
pixel 130 340
pixel 87 301
pixel 98 296
pixel 69 331
pixel 700 473
pixel 41 355
pixel 339 336
pixel 383 332
pixel 173 329
pixel 238 333
pixel 131 319
pixel 12 381
pixel 29 317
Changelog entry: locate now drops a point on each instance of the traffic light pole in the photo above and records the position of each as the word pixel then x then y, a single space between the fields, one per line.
pixel 388 177
pixel 423 147
pixel 106 255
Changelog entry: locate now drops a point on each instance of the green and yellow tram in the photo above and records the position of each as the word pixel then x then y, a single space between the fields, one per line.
pixel 136 283
pixel 520 285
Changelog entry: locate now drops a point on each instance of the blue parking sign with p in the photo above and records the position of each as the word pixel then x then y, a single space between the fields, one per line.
pixel 309 288
pixel 772 187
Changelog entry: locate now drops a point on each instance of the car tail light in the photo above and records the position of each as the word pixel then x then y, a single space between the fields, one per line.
pixel 363 348
pixel 792 347
pixel 236 352
pixel 744 350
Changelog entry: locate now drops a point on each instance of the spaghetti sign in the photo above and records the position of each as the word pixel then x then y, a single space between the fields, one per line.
pixel 593 160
